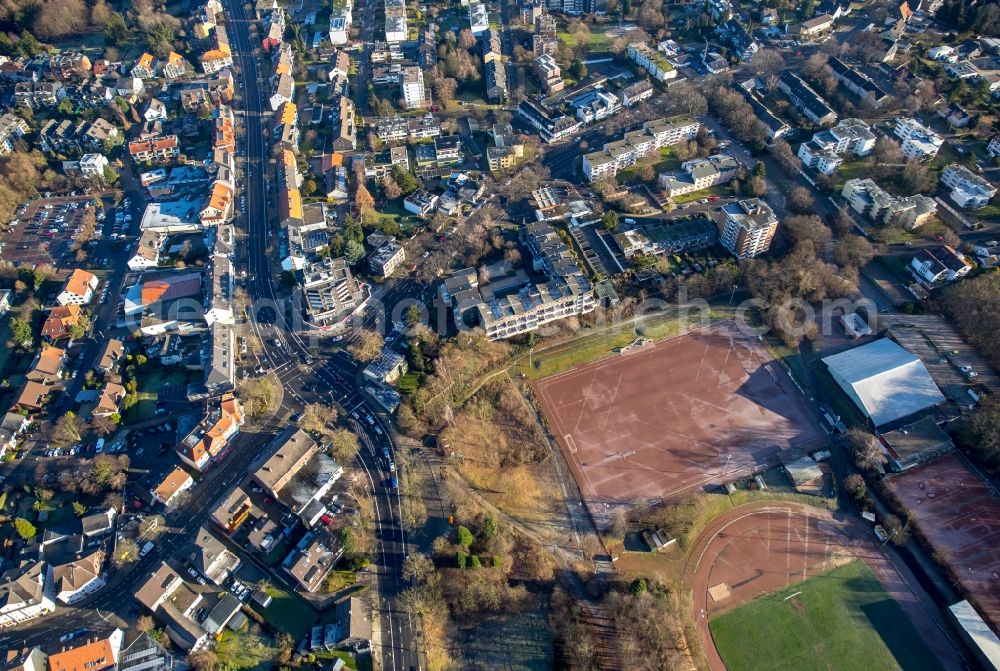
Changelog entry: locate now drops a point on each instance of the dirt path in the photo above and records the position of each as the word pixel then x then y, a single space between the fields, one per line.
pixel 781 544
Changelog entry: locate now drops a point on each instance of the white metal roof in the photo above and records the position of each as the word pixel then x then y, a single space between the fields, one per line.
pixel 884 380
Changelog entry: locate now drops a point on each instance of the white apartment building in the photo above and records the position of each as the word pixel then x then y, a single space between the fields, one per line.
pixel 698 174
pixel 479 19
pixel 869 199
pixel 824 152
pixel 652 61
pixel 967 188
pixel 918 141
pixel 653 136
pixel 750 227
pixel 93 165
pixel 414 91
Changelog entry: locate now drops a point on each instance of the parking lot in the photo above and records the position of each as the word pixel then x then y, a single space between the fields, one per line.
pixel 44 231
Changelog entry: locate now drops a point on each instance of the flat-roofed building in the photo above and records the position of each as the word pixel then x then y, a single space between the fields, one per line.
pixel 749 228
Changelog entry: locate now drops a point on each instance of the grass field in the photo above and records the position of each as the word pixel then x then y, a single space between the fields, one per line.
pixel 288 613
pixel 841 619
pixel 591 347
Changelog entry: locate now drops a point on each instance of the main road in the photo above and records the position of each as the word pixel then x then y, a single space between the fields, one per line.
pixel 284 350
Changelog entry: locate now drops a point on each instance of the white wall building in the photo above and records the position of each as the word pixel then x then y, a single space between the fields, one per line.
pixel 918 141
pixel 967 188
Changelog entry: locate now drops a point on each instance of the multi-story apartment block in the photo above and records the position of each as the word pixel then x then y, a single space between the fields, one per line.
pixel 12 128
pixel 668 238
pixel 857 82
pixel 749 228
pixel 154 149
pixel 698 174
pixel 805 99
pixel 388 256
pixel 652 61
pixel 869 199
pixel 824 152
pixel 623 153
pixel 918 141
pixel 548 73
pixel 967 188
pixel 331 293
pixel 545 39
pixel 479 19
pixel 414 91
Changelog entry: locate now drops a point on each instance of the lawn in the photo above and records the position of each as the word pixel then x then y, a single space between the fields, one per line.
pixel 591 347
pixel 841 619
pixel 151 379
pixel 288 613
pixel 718 190
pixel 241 650
pixel 363 664
pixel 600 39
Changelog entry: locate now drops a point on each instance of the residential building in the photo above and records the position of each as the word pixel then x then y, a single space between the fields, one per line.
pixel 824 152
pixel 939 264
pixel 92 653
pixel 60 320
pixel 396 30
pixel 47 366
pixel 12 128
pixel 109 354
pixel 918 141
pixel 548 73
pixel 749 228
pixel 330 291
pixel 667 238
pixel 233 511
pixel 313 559
pixel 805 99
pixel 387 368
pixel 414 91
pixel 284 91
pixel 175 604
pixel 175 483
pixel 293 448
pixel 544 40
pixel 92 166
pixel 26 592
pixel 212 438
pixel 78 289
pixel 857 82
pixel 653 136
pixel 637 92
pixel 698 174
pixel 968 189
pixel 12 427
pixel 811 28
pixel 479 20
pixel 552 126
pixel 79 578
pixel 145 67
pixel 220 56
pixel 210 558
pixel 157 149
pixel 653 62
pixel 595 105
pixel 386 258
pixel 495 75
pixel 993 149
pixel 145 654
pixel 774 126
pixel 421 202
pixel 174 67
pixel 734 35
pixel 867 198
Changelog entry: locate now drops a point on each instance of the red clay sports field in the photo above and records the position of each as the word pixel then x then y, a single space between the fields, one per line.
pixel 684 414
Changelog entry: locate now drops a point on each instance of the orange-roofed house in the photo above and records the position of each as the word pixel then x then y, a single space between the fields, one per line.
pixel 223 134
pixel 219 208
pixel 213 437
pixel 48 366
pixel 79 288
pixel 91 653
pixel 289 207
pixel 217 59
pixel 138 297
pixel 145 67
pixel 174 66
pixel 155 148
pixel 61 318
pixel 176 482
